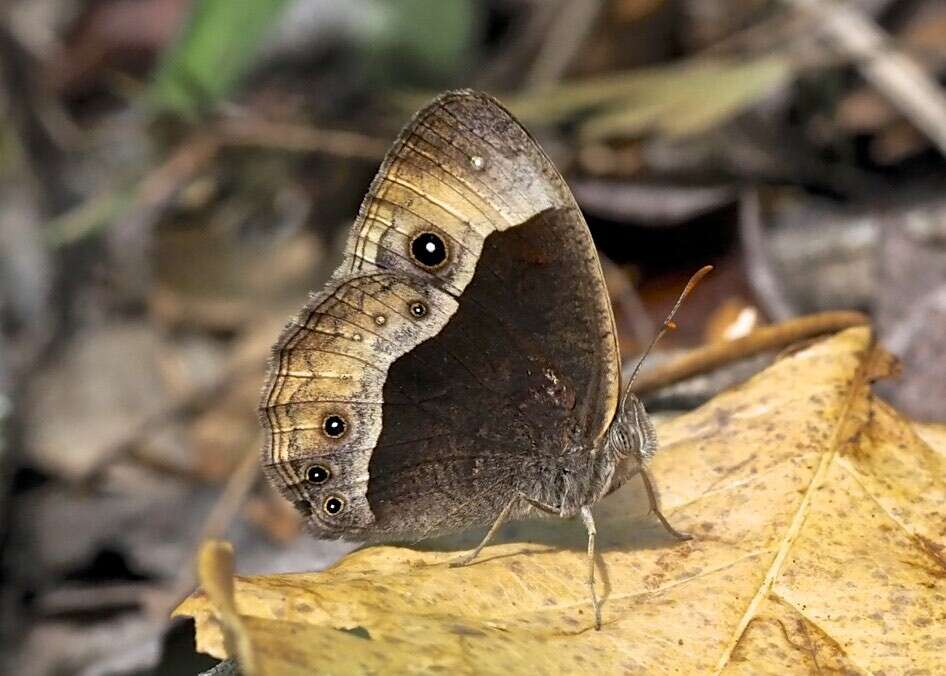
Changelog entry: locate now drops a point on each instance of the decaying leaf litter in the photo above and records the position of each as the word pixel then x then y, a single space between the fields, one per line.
pixel 182 241
pixel 818 516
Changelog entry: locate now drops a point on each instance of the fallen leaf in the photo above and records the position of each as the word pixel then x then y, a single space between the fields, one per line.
pixel 88 403
pixel 933 434
pixel 215 568
pixel 818 515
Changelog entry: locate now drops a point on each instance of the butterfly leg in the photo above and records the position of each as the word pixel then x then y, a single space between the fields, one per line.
pixel 466 559
pixel 589 522
pixel 655 506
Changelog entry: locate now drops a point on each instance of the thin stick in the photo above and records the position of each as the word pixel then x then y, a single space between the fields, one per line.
pixel 764 339
pixel 257 132
pixel 574 21
pixel 221 516
pixel 765 282
pixel 232 498
pixel 624 292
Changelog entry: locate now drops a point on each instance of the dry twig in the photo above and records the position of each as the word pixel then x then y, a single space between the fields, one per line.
pixel 767 338
pixel 759 268
pixel 565 36
pixel 225 510
pixel 300 138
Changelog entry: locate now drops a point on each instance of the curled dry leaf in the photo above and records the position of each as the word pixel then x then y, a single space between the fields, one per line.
pixel 819 517
pixel 215 567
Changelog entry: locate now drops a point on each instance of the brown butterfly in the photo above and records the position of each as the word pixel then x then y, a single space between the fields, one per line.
pixel 461 366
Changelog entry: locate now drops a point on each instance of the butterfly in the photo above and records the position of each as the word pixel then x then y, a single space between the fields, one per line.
pixel 461 367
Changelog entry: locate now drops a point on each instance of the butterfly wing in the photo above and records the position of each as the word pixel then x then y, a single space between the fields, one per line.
pixel 462 168
pixel 464 344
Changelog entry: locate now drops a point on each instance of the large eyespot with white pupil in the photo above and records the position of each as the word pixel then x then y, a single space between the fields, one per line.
pixel 317 474
pixel 418 309
pixel 334 426
pixel 429 250
pixel 333 505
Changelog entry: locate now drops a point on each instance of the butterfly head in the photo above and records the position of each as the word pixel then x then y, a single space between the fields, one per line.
pixel 632 434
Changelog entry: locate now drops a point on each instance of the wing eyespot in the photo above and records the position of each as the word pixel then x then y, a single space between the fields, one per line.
pixel 418 309
pixel 334 426
pixel 428 250
pixel 333 505
pixel 317 474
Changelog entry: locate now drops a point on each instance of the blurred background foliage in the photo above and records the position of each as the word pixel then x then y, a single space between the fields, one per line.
pixel 176 175
pixel 218 43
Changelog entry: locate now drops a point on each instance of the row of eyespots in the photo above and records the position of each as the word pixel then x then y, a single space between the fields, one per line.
pixel 429 250
pixel 319 474
pixel 333 426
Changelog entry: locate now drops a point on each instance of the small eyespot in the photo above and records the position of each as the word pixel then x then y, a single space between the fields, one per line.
pixel 380 320
pixel 429 249
pixel 418 309
pixel 317 474
pixel 334 426
pixel 356 337
pixel 333 505
pixel 478 163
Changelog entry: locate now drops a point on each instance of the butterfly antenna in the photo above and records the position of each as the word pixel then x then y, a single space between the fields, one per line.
pixel 668 322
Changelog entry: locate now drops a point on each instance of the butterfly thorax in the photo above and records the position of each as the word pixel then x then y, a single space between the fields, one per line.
pixel 563 485
pixel 581 476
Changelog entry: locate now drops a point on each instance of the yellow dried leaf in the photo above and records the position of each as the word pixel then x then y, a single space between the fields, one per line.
pixel 215 569
pixel 819 518
pixel 933 434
